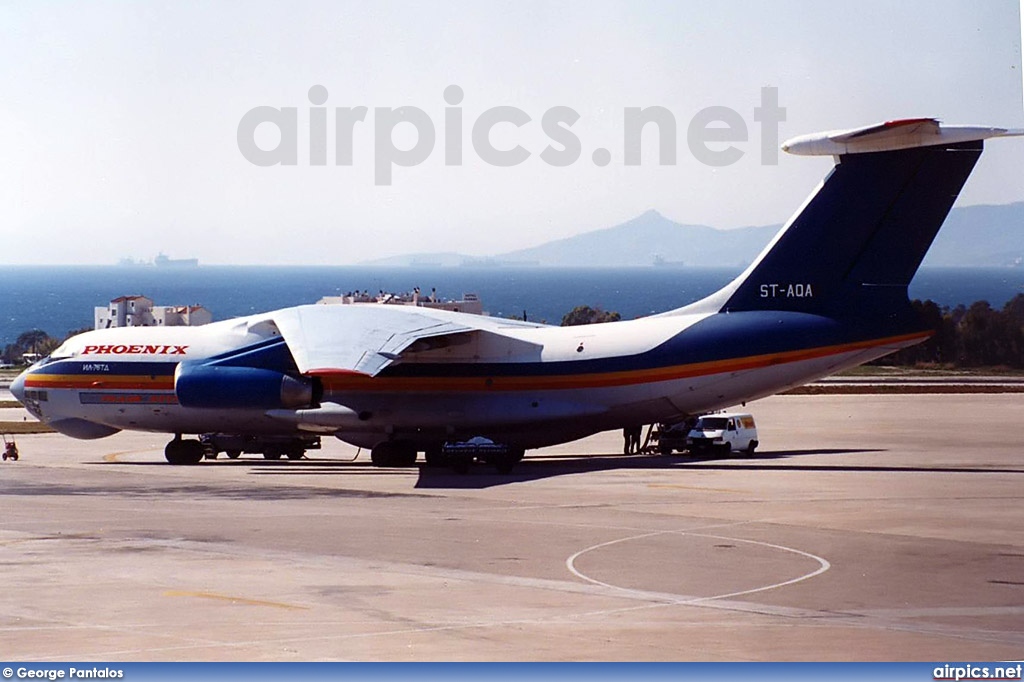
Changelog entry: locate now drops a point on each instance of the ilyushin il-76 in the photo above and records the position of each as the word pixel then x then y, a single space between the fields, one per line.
pixel 828 293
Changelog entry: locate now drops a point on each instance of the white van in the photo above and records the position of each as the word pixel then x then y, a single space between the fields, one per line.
pixel 723 433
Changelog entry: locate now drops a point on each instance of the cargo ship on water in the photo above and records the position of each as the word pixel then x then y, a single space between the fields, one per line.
pixel 163 261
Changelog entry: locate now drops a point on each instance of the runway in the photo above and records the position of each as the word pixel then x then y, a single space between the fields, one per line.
pixel 870 527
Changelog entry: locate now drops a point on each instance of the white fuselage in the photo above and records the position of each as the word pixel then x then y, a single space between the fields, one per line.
pixel 125 379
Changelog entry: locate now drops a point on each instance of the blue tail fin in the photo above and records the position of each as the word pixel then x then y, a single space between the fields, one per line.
pixel 860 239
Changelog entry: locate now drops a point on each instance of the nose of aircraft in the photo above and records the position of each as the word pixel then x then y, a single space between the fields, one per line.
pixel 18 387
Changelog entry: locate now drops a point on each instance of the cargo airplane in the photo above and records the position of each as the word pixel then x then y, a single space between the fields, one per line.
pixel 828 293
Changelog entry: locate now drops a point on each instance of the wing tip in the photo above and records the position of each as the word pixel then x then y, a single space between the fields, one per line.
pixel 334 372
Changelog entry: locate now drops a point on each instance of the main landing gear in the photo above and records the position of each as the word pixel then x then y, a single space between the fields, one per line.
pixel 393 454
pixel 193 452
pixel 271 447
pixel 180 451
pixel 460 455
pixel 456 456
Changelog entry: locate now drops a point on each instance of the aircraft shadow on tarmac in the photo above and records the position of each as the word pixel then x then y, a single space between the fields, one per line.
pixel 540 468
pixel 482 476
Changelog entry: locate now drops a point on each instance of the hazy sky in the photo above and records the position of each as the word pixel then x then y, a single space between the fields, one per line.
pixel 119 121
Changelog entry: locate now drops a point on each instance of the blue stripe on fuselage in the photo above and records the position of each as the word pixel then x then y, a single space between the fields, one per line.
pixel 104 366
pixel 718 337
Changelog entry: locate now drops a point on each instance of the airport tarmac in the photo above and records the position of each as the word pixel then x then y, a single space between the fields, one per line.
pixel 870 527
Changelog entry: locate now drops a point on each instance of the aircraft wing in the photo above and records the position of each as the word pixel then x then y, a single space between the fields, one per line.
pixel 368 338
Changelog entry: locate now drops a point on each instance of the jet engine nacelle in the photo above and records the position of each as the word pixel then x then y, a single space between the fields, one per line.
pixel 225 387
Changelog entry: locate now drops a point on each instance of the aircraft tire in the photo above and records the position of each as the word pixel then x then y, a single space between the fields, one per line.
pixel 507 462
pixel 393 454
pixel 460 463
pixel 297 453
pixel 404 455
pixel 233 454
pixel 184 452
pixel 433 457
pixel 273 454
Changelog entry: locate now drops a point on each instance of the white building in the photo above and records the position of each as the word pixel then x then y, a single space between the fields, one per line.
pixel 139 311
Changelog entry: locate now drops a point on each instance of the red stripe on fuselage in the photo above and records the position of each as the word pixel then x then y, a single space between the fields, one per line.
pixel 99 381
pixel 351 380
pixel 347 380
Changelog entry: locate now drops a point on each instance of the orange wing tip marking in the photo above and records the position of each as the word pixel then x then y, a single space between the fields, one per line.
pixel 335 372
pixel 908 121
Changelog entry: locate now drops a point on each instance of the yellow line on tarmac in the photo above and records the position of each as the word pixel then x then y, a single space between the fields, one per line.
pixel 113 456
pixel 234 600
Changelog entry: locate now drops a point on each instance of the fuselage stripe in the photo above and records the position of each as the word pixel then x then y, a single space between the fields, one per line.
pixel 346 380
pixel 100 381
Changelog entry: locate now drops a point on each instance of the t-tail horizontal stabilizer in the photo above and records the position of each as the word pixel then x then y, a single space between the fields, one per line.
pixel 856 243
pixel 904 133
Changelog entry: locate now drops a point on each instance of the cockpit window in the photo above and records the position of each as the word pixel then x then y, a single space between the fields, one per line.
pixel 63 351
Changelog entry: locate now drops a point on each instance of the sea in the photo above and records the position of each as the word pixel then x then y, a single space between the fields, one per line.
pixel 60 299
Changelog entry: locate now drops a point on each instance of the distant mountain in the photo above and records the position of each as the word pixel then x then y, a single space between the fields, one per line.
pixel 646 238
pixel 981 235
pixel 972 236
